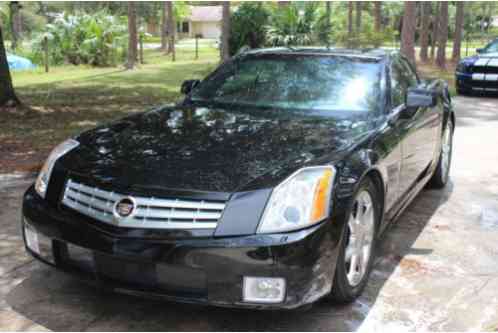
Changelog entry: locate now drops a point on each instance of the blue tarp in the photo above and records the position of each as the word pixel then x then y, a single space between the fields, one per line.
pixel 19 63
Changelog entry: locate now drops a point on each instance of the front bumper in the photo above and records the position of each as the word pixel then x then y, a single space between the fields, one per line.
pixel 466 83
pixel 206 270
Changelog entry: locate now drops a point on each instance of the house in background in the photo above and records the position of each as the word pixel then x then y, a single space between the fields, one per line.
pixel 204 21
pixel 494 22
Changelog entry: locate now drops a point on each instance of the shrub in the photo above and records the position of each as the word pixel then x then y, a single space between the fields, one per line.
pixel 248 26
pixel 96 39
pixel 292 25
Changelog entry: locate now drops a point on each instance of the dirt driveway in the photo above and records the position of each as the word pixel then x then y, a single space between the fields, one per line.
pixel 438 268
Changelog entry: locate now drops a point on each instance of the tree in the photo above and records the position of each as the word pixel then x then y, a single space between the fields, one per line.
pixel 132 36
pixel 408 31
pixel 378 15
pixel 435 30
pixel 350 20
pixel 457 40
pixel 442 35
pixel 328 14
pixel 328 11
pixel 7 94
pixel 171 28
pixel 424 33
pixel 164 27
pixel 225 31
pixel 15 22
pixel 358 17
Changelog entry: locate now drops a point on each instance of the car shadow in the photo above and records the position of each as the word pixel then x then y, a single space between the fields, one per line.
pixel 62 303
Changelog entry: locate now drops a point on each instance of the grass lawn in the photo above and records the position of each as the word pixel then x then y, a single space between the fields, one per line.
pixel 71 99
pixel 429 70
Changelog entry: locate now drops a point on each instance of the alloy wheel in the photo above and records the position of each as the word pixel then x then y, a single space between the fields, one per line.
pixel 446 151
pixel 361 227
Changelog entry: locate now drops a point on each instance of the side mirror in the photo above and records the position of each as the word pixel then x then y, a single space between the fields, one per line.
pixel 420 98
pixel 479 51
pixel 188 86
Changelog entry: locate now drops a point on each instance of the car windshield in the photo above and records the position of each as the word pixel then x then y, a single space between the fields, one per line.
pixel 492 48
pixel 311 83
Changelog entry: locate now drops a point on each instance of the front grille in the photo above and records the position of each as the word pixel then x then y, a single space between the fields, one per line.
pixel 486 66
pixel 153 213
pixel 485 69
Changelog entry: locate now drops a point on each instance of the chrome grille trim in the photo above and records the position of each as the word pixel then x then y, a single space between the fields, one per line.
pixel 150 213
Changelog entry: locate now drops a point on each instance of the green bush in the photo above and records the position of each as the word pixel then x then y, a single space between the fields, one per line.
pixel 365 38
pixel 96 39
pixel 293 24
pixel 248 27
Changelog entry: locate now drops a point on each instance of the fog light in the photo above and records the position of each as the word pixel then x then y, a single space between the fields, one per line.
pixel 31 238
pixel 263 290
pixel 38 243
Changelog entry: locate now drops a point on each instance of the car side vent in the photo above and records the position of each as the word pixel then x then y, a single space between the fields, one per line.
pixel 147 212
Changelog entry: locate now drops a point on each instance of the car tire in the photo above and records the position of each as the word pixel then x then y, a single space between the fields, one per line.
pixel 345 288
pixel 442 173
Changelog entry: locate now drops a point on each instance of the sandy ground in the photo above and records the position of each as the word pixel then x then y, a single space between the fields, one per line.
pixel 437 270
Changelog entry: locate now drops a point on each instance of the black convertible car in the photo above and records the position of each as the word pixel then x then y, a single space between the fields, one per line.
pixel 268 186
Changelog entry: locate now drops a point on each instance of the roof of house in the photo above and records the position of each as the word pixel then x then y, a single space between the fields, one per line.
pixel 205 13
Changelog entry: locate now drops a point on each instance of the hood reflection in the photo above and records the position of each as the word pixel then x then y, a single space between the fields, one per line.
pixel 206 149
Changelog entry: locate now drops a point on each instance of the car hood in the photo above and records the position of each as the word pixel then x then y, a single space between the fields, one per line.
pixel 489 55
pixel 207 148
pixel 482 58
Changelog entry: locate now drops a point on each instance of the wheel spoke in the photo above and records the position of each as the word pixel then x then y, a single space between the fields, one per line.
pixel 446 150
pixel 349 253
pixel 353 226
pixel 365 258
pixel 353 265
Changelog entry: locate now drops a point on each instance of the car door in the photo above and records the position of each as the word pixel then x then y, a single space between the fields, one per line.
pixel 428 121
pixel 418 128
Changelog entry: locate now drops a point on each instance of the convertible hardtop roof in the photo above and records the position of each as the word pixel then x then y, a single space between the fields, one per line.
pixel 378 54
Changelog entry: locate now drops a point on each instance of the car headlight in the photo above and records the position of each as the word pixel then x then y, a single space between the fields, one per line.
pixel 462 68
pixel 300 201
pixel 45 172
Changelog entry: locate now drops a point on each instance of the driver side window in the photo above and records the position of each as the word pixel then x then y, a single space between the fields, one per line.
pixel 398 84
pixel 402 77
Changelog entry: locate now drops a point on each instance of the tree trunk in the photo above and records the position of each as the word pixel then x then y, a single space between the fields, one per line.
pixel 358 16
pixel 442 35
pixel 132 36
pixel 15 23
pixel 171 27
pixel 7 94
pixel 424 33
pixel 328 11
pixel 435 30
pixel 457 41
pixel 408 31
pixel 164 27
pixel 378 15
pixel 225 31
pixel 328 14
pixel 350 20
